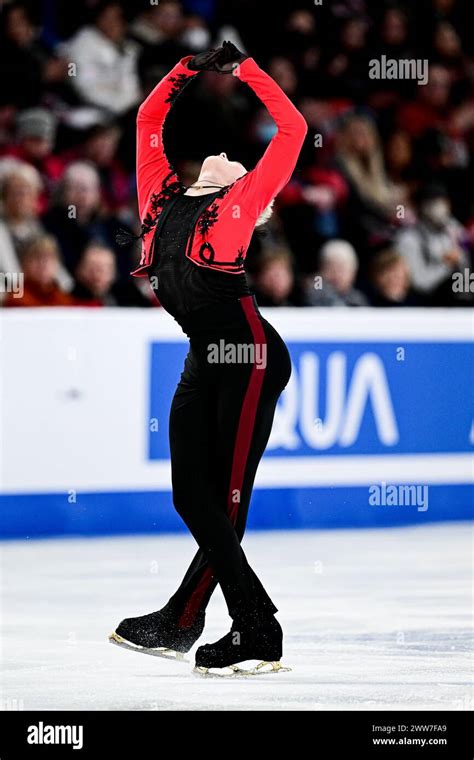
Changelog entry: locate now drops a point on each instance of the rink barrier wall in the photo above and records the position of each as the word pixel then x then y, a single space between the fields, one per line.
pixel 379 401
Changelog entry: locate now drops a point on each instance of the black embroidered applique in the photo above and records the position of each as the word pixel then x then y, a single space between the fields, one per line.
pixel 207 253
pixel 157 201
pixel 179 83
pixel 239 259
pixel 224 190
pixel 210 215
pixel 207 219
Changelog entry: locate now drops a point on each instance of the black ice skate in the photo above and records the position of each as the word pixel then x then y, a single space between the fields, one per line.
pixel 158 634
pixel 248 639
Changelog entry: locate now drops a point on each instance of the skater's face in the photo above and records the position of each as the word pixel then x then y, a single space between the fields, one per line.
pixel 220 170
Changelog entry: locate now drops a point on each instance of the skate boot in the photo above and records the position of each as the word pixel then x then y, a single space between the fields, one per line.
pixel 250 638
pixel 158 634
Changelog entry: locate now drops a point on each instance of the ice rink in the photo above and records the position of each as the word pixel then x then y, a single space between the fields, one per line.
pixel 374 619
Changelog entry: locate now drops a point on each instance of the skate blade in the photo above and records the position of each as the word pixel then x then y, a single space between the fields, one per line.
pixel 164 652
pixel 234 671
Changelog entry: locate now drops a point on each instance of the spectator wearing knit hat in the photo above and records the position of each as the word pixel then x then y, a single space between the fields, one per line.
pixel 34 145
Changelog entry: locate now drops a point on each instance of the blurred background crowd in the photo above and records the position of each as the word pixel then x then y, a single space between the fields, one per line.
pixel 380 209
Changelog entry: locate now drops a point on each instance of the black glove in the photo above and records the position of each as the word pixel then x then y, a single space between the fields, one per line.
pixel 218 59
pixel 229 54
pixel 205 61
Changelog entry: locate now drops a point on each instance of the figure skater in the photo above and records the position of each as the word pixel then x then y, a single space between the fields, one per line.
pixel 194 242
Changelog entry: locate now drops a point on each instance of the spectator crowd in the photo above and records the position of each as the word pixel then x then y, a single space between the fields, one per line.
pixel 380 208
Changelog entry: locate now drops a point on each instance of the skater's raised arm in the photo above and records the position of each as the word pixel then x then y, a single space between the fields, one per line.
pixel 274 170
pixel 152 164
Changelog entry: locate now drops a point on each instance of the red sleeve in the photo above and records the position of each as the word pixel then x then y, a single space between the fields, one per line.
pixel 276 166
pixel 152 165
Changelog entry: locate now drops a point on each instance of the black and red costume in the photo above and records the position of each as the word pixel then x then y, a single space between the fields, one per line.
pixel 194 250
pixel 224 229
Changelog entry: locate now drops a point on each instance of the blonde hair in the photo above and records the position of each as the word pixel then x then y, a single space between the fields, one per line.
pixel 11 169
pixel 40 244
pixel 265 215
pixel 369 177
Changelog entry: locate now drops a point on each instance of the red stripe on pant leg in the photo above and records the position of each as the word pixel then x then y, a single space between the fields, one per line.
pixel 248 412
pixel 193 604
pixel 242 444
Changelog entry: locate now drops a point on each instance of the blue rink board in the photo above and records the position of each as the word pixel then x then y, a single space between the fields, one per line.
pixel 45 515
pixel 415 398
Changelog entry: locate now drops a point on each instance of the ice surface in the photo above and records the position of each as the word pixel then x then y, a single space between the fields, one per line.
pixel 375 619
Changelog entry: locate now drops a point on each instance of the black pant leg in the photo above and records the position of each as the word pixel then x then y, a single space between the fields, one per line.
pixel 227 401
